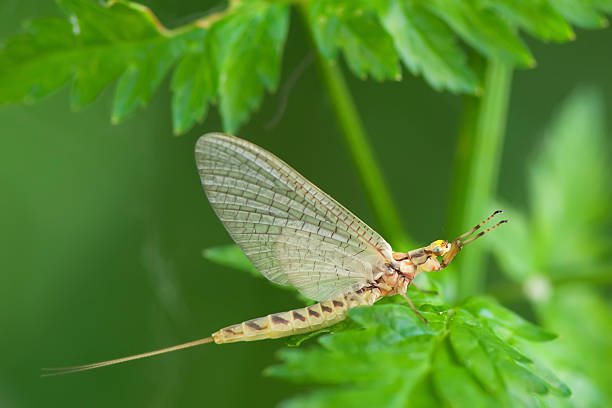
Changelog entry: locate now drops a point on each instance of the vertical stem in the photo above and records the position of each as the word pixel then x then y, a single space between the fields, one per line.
pixel 477 168
pixel 362 155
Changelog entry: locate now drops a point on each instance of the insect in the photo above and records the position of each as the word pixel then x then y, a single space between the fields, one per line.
pixel 295 234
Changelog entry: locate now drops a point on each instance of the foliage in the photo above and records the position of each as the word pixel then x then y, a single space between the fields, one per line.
pixel 232 256
pixel 384 355
pixel 469 355
pixel 100 43
pixel 123 40
pixel 562 245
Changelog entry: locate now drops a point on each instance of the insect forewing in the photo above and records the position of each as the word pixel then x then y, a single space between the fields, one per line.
pixel 292 232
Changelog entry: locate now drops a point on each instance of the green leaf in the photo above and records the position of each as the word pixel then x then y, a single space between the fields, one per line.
pixel 424 394
pixel 567 182
pixel 536 17
pixel 473 356
pixel 513 245
pixel 298 339
pixel 569 195
pixel 483 30
pixel 454 383
pixel 100 44
pixel 232 256
pixel 398 319
pixel 234 55
pixel 458 359
pixel 583 13
pixel 124 41
pixel 194 87
pixel 427 46
pixel 248 48
pixel 349 26
pixel 27 60
pixel 582 355
pixel 139 52
pixel 553 382
pixel 391 395
pixel 520 377
pixel 491 311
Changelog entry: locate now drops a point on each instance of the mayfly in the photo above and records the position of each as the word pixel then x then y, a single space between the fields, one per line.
pixel 297 235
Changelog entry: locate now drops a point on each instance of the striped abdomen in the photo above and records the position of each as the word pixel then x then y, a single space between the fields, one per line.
pixel 295 321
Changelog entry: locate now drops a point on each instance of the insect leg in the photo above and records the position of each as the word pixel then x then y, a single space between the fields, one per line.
pixel 413 307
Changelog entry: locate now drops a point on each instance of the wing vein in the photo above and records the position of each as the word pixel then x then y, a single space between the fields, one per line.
pixel 293 232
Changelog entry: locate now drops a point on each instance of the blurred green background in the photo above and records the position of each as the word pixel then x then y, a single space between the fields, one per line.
pixel 103 226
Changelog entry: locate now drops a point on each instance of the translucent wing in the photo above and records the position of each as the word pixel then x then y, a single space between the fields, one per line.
pixel 292 232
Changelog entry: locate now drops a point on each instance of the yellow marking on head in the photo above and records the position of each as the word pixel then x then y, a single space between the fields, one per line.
pixel 439 247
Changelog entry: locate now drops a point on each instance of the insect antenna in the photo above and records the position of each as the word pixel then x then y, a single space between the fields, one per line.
pixel 74 369
pixel 480 234
pixel 459 242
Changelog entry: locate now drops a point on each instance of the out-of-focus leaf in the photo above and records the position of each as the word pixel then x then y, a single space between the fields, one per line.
pixel 483 30
pixel 424 394
pixel 570 188
pixel 345 25
pixel 26 60
pixel 513 245
pixel 101 43
pixel 537 17
pixel 488 309
pixel 582 318
pixel 569 195
pixel 564 237
pixel 194 87
pixel 389 395
pixel 232 256
pixel 248 49
pixel 587 14
pixel 124 41
pixel 234 55
pixel 552 381
pixel 427 46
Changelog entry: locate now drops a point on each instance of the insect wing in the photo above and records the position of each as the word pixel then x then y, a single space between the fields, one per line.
pixel 292 232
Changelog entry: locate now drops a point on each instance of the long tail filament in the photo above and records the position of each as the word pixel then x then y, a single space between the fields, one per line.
pixel 67 370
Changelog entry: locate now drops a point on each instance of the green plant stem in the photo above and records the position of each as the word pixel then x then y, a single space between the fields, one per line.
pixel 355 137
pixel 476 169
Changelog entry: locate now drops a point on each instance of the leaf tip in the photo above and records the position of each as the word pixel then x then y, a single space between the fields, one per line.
pixel 532 63
pixel 178 130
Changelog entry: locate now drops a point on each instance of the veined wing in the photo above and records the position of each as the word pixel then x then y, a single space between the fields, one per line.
pixel 292 232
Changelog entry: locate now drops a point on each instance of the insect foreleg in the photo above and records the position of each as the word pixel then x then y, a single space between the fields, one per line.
pixel 413 307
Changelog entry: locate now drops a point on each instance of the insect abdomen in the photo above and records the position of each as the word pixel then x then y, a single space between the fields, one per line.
pixel 295 321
